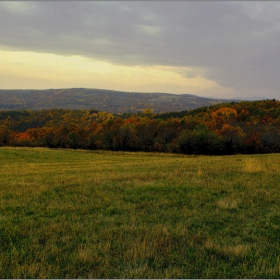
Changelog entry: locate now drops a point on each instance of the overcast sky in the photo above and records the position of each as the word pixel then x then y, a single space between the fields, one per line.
pixel 208 48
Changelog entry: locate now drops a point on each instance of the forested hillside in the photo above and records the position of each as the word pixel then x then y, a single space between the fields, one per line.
pixel 227 128
pixel 101 100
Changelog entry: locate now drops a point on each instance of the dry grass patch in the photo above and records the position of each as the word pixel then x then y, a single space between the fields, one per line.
pixel 253 166
pixel 87 255
pixel 227 203
pixel 236 251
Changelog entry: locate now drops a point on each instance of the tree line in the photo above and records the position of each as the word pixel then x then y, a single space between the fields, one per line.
pixel 227 128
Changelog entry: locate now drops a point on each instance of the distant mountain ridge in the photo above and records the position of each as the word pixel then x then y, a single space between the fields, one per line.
pixel 102 100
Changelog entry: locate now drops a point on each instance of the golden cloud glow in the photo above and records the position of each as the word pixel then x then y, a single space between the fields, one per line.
pixel 20 70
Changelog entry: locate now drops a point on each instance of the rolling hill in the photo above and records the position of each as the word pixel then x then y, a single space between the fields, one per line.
pixel 101 100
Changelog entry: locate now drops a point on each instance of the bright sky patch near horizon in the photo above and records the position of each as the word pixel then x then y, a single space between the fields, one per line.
pixel 215 49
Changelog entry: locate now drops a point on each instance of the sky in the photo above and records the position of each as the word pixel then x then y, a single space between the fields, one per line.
pixel 222 49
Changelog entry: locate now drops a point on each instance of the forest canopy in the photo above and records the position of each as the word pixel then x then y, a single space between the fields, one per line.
pixel 227 128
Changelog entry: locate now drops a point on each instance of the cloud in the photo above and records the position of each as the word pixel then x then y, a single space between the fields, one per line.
pixel 75 71
pixel 235 44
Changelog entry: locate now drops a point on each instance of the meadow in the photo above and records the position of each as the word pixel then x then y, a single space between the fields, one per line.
pixel 102 214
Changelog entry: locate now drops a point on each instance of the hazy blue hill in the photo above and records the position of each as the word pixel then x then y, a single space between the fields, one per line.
pixel 102 100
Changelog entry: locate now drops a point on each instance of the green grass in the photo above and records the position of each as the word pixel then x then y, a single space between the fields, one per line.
pixel 95 214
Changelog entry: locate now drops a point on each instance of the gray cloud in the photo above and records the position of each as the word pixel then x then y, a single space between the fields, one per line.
pixel 236 43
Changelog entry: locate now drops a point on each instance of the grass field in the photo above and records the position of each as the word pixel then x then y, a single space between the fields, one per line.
pixel 95 214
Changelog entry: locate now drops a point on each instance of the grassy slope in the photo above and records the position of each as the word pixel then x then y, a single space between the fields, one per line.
pixel 71 214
